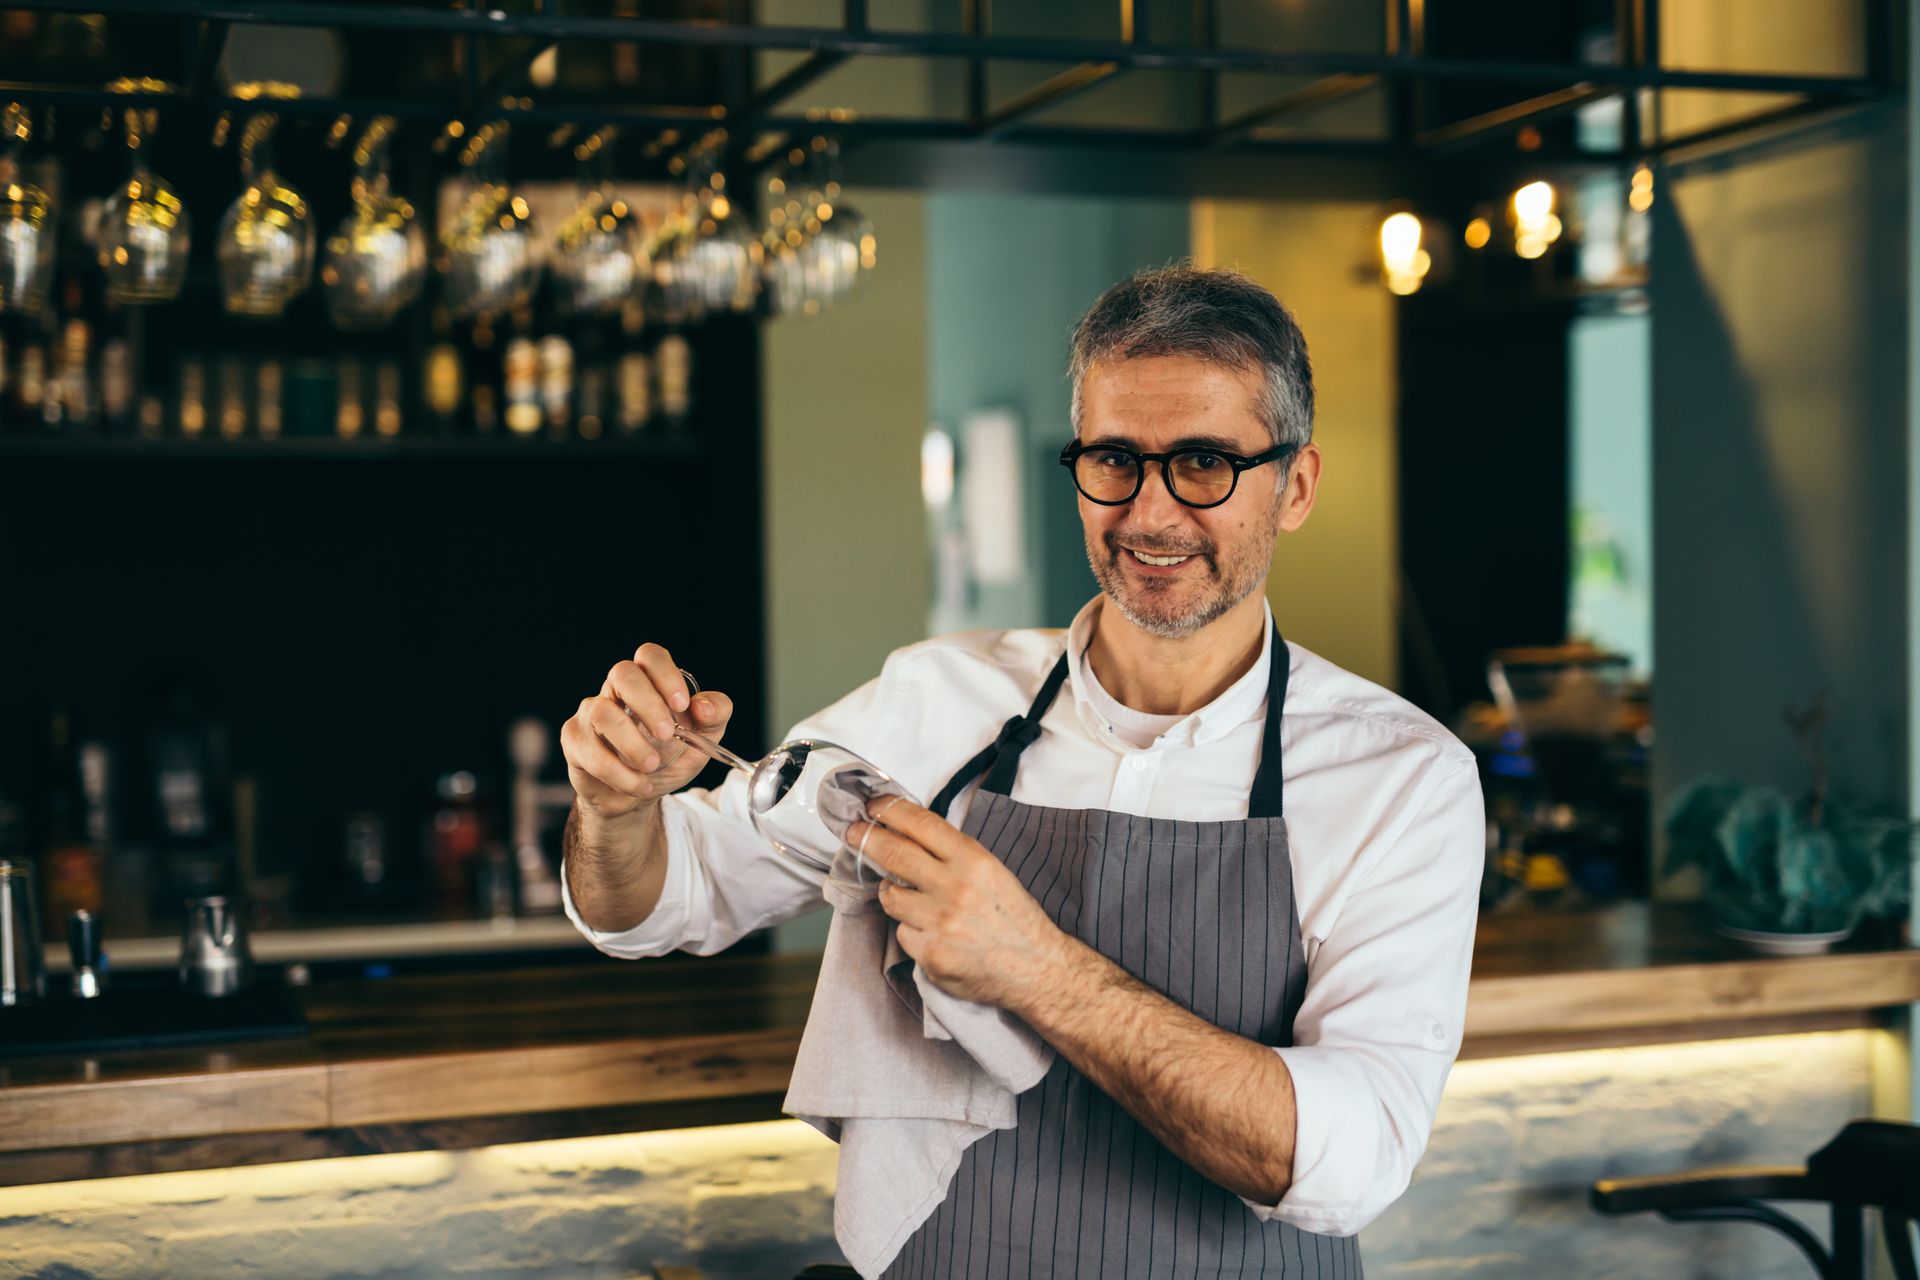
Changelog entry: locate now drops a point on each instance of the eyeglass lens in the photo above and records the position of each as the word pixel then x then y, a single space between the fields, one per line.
pixel 1113 475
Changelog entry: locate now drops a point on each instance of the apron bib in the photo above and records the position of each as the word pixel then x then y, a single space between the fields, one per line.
pixel 1202 912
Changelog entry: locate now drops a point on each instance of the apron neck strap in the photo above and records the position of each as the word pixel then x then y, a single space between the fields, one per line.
pixel 1265 798
pixel 1000 759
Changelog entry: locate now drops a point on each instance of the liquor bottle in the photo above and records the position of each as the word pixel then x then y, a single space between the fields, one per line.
pixel 484 378
pixel 269 390
pixel 232 414
pixel 30 385
pixel 673 360
pixel 441 379
pixel 73 378
pixel 153 416
pixel 70 863
pixel 386 400
pixel 191 414
pixel 350 405
pixel 116 386
pixel 190 794
pixel 633 373
pixel 556 385
pixel 590 399
pixel 520 383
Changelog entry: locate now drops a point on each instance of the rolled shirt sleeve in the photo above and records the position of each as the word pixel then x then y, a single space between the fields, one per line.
pixel 1382 1018
pixel 723 880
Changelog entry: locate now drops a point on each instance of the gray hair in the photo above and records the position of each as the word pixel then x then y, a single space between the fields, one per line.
pixel 1221 316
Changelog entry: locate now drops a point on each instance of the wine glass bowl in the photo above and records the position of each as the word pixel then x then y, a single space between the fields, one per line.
pixel 805 794
pixel 265 251
pixel 26 246
pixel 719 265
pixel 491 258
pixel 600 255
pixel 374 264
pixel 143 240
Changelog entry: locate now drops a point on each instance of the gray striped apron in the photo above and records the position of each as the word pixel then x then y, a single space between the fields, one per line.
pixel 1202 912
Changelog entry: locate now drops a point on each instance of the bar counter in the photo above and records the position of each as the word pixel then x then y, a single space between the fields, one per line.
pixel 473 1059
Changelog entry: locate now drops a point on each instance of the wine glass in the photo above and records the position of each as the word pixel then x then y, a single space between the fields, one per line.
pixel 599 255
pixel 600 252
pixel 27 224
pixel 490 259
pixel 804 795
pixel 841 249
pixel 376 261
pixel 720 264
pixel 265 250
pixel 144 231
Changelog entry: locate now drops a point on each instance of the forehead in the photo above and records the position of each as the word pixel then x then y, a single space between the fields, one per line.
pixel 1154 400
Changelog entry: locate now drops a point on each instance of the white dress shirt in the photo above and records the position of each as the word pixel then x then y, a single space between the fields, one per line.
pixel 1384 826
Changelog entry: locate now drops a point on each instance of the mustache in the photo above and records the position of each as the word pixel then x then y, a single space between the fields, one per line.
pixel 1154 546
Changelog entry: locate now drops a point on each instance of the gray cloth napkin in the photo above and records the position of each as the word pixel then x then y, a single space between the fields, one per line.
pixel 902 1075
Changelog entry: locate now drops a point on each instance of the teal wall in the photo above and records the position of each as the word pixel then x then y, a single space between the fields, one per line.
pixel 1610 443
pixel 1780 527
pixel 1008 276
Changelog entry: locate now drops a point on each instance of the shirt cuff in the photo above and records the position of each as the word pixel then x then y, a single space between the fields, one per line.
pixel 665 929
pixel 1336 1185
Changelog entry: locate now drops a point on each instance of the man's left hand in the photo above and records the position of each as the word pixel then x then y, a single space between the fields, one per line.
pixel 967 919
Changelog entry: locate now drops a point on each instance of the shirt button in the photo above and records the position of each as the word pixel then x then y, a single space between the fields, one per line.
pixel 1139 763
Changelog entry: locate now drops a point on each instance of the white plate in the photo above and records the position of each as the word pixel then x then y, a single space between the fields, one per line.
pixel 1784 944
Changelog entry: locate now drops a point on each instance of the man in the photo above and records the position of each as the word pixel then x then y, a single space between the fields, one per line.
pixel 1254 1011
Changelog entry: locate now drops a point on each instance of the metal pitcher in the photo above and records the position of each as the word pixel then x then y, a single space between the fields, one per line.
pixel 23 965
pixel 214 959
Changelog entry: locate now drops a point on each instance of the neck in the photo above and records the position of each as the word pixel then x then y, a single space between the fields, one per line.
pixel 1177 676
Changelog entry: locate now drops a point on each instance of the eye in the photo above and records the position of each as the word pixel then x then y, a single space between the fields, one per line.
pixel 1203 461
pixel 1114 458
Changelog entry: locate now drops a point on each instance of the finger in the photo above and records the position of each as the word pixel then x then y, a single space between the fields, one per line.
pixel 908 906
pixel 711 712
pixel 913 939
pixel 615 728
pixel 922 826
pixel 634 688
pixel 593 756
pixel 665 674
pixel 897 856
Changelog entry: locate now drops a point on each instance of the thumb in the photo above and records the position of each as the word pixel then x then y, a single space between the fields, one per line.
pixel 711 711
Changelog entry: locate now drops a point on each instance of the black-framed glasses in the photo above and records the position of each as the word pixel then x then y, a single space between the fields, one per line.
pixel 1111 474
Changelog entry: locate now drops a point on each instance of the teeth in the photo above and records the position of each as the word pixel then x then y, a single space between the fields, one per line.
pixel 1162 561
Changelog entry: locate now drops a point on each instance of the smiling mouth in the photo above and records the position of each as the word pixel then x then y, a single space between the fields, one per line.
pixel 1159 562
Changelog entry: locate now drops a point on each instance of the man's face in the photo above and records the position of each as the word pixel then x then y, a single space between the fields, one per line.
pixel 1157 403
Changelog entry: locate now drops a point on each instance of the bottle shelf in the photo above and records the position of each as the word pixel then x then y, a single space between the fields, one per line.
pixel 308 448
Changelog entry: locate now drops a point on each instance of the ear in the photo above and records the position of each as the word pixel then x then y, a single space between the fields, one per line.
pixel 1303 483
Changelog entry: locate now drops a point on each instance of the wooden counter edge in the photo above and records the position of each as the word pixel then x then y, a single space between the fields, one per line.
pixel 1682 994
pixel 1505 1015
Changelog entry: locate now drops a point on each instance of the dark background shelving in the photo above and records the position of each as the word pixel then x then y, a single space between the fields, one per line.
pixel 364 615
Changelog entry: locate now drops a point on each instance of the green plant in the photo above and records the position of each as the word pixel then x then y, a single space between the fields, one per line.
pixel 1780 865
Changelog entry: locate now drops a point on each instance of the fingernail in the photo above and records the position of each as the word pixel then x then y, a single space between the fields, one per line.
pixel 679 699
pixel 704 708
pixel 663 730
pixel 653 763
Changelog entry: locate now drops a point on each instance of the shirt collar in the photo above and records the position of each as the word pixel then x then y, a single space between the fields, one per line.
pixel 1243 700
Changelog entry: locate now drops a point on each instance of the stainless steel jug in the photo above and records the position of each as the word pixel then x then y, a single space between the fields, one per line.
pixel 214 959
pixel 23 964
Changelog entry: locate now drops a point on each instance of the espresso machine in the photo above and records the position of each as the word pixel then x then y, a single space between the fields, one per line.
pixel 1578 837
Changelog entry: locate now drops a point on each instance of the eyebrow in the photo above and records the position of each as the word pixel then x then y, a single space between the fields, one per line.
pixel 1223 443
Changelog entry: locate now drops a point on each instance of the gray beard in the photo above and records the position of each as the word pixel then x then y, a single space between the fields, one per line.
pixel 1227 586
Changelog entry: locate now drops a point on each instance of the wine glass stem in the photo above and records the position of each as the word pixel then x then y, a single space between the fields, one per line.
pixel 711 748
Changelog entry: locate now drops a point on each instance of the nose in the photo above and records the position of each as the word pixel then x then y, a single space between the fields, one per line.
pixel 1155 505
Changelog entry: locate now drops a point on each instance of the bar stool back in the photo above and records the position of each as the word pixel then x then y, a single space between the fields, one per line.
pixel 1869 1164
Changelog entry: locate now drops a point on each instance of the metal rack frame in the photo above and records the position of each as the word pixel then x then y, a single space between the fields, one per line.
pixel 1402 69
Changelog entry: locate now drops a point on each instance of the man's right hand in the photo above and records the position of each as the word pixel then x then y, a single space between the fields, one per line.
pixel 620 749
